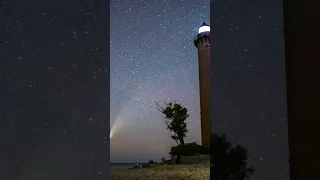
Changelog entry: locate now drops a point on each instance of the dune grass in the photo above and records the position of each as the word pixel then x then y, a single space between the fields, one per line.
pixel 164 172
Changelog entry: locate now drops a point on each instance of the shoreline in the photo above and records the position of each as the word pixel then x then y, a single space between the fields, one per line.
pixel 163 172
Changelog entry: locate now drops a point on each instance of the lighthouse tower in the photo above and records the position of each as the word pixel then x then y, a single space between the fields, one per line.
pixel 202 42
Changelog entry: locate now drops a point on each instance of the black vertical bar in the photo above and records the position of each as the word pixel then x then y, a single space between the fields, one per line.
pixel 301 31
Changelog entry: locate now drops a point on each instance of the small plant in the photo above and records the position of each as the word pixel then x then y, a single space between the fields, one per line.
pixel 151 162
pixel 163 159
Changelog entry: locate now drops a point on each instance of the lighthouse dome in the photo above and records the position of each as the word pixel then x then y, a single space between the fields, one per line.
pixel 204 28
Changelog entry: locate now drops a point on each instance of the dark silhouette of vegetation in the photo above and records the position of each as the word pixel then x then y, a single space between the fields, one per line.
pixel 227 162
pixel 189 149
pixel 163 159
pixel 175 119
pixel 151 162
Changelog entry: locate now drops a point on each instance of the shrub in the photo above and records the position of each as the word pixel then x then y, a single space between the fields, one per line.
pixel 189 149
pixel 151 162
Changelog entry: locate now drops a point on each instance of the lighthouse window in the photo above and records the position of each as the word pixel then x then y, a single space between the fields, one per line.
pixel 204 29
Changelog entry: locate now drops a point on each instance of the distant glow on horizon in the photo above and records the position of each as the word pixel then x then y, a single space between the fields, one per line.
pixel 204 29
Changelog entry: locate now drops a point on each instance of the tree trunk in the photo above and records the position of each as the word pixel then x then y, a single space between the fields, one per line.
pixel 181 141
pixel 177 141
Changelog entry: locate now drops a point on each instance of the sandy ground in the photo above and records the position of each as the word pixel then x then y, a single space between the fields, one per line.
pixel 164 172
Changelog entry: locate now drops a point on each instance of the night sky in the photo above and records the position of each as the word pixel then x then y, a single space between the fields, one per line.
pixel 153 59
pixel 54 92
pixel 54 75
pixel 248 101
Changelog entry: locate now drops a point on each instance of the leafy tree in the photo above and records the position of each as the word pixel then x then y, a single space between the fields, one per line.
pixel 189 149
pixel 228 163
pixel 175 119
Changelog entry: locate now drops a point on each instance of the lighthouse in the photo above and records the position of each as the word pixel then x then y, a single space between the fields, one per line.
pixel 202 43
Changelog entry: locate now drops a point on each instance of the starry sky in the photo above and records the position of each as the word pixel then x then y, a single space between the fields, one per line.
pixel 54 93
pixel 54 74
pixel 248 101
pixel 153 59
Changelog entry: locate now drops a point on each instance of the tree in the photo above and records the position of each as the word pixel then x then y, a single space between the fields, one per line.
pixel 227 162
pixel 175 119
pixel 189 149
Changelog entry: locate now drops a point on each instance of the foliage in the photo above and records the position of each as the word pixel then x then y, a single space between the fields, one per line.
pixel 175 119
pixel 151 162
pixel 228 163
pixel 189 149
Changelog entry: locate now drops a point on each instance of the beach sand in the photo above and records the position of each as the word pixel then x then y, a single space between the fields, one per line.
pixel 164 172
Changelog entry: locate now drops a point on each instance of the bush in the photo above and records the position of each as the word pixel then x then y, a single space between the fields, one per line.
pixel 151 162
pixel 189 149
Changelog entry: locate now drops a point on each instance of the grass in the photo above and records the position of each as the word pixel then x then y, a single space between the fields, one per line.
pixel 164 172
